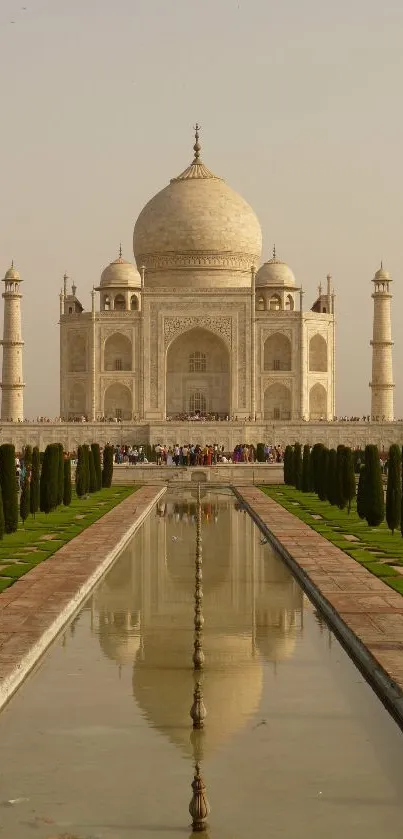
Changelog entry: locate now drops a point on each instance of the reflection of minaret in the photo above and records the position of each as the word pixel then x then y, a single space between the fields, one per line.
pixel 382 374
pixel 12 405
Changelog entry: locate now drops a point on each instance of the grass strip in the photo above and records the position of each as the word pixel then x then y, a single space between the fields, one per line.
pixel 62 525
pixel 378 549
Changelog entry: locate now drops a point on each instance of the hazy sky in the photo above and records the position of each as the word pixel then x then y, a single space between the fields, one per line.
pixel 301 110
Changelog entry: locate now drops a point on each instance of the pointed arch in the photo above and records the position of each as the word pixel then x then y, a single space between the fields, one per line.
pixel 317 402
pixel 277 402
pixel 197 374
pixel 118 352
pixel 118 402
pixel 277 352
pixel 318 354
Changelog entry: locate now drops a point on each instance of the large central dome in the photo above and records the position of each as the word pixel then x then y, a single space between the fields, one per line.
pixel 194 228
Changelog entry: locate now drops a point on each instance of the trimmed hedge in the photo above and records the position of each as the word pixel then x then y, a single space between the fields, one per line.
pixel 9 488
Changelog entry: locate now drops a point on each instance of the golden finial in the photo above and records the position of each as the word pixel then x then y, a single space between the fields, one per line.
pixel 381 264
pixel 12 263
pixel 274 252
pixel 120 251
pixel 196 147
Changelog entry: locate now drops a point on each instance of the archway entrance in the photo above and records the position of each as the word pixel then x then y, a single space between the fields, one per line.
pixel 198 375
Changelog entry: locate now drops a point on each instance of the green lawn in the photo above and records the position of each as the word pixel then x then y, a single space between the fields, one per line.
pixel 375 547
pixel 43 535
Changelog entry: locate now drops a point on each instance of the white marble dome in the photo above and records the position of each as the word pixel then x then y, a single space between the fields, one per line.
pixel 120 273
pixel 275 273
pixel 197 223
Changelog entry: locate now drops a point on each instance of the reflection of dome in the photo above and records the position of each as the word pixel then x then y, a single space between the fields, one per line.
pixel 275 273
pixel 275 645
pixel 120 273
pixel 197 222
pixel 232 685
pixel 121 650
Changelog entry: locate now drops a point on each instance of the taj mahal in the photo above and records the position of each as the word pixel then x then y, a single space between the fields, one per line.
pixel 194 328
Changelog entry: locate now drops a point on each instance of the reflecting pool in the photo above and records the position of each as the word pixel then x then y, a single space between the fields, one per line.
pixel 98 742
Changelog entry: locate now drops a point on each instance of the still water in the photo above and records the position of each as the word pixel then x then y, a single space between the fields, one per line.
pixel 97 743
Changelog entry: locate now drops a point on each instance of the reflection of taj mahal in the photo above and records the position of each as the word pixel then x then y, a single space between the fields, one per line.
pixel 144 615
pixel 196 328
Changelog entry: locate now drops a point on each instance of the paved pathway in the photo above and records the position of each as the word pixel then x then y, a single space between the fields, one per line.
pixel 366 605
pixel 36 607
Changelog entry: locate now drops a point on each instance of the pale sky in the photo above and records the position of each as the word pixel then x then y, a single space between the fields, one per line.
pixel 300 107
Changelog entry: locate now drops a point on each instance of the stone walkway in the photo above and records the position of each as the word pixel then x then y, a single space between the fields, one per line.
pixel 38 605
pixel 367 606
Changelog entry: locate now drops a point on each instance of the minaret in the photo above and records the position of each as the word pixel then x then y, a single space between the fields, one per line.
pixel 12 404
pixel 382 373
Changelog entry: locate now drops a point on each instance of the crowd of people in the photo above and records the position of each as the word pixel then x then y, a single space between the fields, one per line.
pixel 201 418
pixel 191 454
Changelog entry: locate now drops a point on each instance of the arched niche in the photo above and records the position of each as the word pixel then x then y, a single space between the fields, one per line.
pixel 277 352
pixel 77 353
pixel 134 303
pixel 289 303
pixel 198 363
pixel 277 402
pixel 317 402
pixel 118 402
pixel 77 401
pixel 318 354
pixel 260 304
pixel 119 303
pixel 275 303
pixel 118 352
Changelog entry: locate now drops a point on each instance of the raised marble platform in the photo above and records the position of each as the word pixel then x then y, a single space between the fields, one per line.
pixel 227 434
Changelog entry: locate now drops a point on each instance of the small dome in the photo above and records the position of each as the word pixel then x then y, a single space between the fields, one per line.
pixel 120 273
pixel 12 274
pixel 381 274
pixel 275 273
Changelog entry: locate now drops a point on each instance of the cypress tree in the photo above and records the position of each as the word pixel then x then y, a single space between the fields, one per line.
pixel 332 477
pixel 305 484
pixel 297 466
pixel 361 493
pixel 92 473
pixel 107 471
pixel 67 482
pixel 374 498
pixel 1 515
pixel 49 480
pixel 97 463
pixel 27 456
pixel 315 458
pixel 288 455
pixel 80 472
pixel 35 475
pixel 86 460
pixel 340 497
pixel 60 475
pixel 323 473
pixel 349 477
pixel 394 488
pixel 9 487
pixel 25 498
